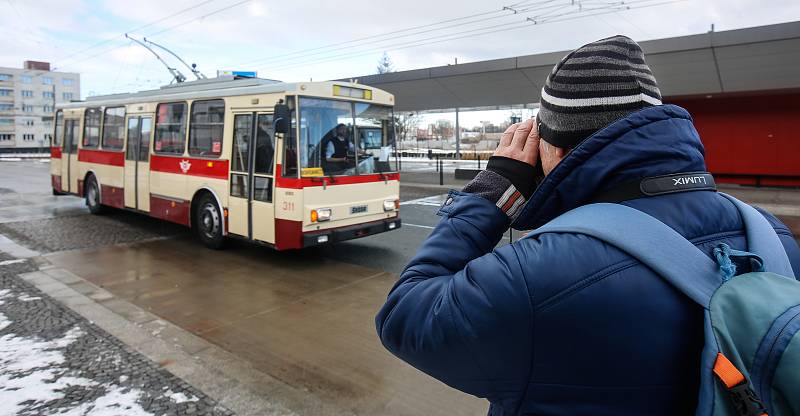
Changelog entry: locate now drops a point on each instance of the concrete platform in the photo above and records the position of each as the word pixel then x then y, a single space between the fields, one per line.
pixel 306 321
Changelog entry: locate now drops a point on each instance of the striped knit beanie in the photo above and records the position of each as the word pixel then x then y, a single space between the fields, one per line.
pixel 592 87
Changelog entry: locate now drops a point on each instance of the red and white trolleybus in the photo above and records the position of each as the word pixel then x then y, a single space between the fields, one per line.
pixel 289 165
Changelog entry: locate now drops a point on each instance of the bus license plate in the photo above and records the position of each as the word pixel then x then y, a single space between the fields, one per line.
pixel 358 209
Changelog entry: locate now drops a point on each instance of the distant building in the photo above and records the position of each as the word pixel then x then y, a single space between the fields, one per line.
pixel 27 100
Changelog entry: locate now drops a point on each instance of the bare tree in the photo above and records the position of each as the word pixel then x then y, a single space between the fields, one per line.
pixel 385 64
pixel 405 124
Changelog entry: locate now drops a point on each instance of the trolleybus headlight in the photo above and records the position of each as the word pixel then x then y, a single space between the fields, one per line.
pixel 319 215
pixel 391 204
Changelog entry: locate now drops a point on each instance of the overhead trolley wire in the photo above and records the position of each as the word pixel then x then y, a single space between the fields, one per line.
pixel 324 48
pixel 616 7
pixel 154 22
pixel 217 11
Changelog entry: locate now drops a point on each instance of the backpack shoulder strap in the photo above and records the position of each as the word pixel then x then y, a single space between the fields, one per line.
pixel 762 239
pixel 648 240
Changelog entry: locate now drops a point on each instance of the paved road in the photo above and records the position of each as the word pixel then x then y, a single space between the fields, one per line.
pixel 47 223
pixel 53 361
pixel 304 318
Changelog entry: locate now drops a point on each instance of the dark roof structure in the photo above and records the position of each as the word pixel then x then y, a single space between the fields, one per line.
pixel 742 60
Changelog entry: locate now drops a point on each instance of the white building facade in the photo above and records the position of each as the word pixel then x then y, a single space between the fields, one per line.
pixel 28 97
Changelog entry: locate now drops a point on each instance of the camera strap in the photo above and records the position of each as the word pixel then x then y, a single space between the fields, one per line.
pixel 658 185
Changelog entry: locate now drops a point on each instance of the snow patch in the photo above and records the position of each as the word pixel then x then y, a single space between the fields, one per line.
pixel 27 298
pixel 30 370
pixel 180 397
pixel 33 372
pixel 4 322
pixel 117 401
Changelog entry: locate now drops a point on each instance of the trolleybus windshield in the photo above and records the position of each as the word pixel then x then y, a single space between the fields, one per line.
pixel 341 138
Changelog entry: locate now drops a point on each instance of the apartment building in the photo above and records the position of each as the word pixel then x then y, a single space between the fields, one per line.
pixel 28 96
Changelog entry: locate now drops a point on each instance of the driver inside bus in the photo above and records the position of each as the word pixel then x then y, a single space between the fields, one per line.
pixel 337 148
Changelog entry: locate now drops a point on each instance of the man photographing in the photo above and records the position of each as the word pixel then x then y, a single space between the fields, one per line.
pixel 563 323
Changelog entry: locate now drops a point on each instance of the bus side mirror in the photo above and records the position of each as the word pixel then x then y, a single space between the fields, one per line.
pixel 281 118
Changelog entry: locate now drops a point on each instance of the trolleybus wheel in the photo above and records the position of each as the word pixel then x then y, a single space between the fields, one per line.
pixel 208 223
pixel 92 194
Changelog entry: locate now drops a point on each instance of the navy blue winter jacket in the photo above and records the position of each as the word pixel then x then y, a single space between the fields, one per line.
pixel 564 324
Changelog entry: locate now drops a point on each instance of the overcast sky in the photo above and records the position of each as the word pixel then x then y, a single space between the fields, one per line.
pixel 291 40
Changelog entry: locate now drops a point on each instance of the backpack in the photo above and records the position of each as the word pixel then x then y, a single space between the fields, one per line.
pixel 751 357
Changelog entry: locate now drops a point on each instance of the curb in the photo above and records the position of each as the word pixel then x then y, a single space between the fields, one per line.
pixel 224 377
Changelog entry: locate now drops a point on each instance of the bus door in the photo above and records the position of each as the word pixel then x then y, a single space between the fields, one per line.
pixel 137 163
pixel 69 157
pixel 250 208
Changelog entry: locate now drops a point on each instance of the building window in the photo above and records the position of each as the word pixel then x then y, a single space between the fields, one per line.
pixel 205 130
pixel 113 128
pixel 27 137
pixel 29 122
pixel 6 137
pixel 27 108
pixel 67 96
pixel 26 79
pixel 48 138
pixel 27 93
pixel 170 128
pixel 48 94
pixel 47 81
pixel 6 93
pixel 6 107
pixel 66 82
pixel 47 109
pixel 91 127
pixel 6 121
pixel 5 77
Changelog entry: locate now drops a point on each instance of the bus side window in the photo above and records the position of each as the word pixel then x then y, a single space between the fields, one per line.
pixel 206 127
pixel 59 132
pixel 170 128
pixel 265 145
pixel 133 138
pixel 290 142
pixel 144 144
pixel 91 127
pixel 113 128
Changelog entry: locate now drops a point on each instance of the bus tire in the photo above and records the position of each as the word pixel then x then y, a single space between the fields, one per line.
pixel 208 222
pixel 91 191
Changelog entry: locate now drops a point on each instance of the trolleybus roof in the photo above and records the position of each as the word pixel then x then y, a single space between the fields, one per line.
pixel 207 88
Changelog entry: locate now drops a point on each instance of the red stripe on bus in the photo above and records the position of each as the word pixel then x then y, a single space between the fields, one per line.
pixel 112 196
pixel 102 157
pixel 170 210
pixel 55 152
pixel 288 234
pixel 55 180
pixel 299 183
pixel 217 169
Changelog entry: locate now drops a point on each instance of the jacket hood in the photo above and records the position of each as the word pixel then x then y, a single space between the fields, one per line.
pixel 654 141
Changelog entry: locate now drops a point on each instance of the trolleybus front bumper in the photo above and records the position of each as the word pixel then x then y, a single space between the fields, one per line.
pixel 350 232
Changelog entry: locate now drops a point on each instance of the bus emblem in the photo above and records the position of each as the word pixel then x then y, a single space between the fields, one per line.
pixel 185 165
